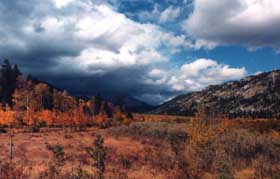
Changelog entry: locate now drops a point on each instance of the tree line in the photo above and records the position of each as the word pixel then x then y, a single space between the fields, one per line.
pixel 29 102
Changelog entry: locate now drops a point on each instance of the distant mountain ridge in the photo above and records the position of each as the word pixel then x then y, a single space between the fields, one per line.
pixel 131 104
pixel 253 96
pixel 126 102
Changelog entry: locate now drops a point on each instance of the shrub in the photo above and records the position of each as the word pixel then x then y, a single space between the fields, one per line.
pixel 32 129
pixel 176 140
pixel 77 173
pixel 117 174
pixel 98 154
pixel 224 176
pixel 9 170
pixel 58 154
pixel 160 159
pixel 68 136
pixel 2 130
pixel 125 162
pixel 52 172
pixel 276 175
pixel 213 150
pixel 119 119
pixel 155 130
pixel 276 127
pixel 43 124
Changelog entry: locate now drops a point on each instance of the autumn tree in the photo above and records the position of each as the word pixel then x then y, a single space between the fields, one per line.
pixel 64 106
pixel 25 101
pixel 42 96
pixel 79 115
pixel 36 104
pixel 9 116
pixel 57 105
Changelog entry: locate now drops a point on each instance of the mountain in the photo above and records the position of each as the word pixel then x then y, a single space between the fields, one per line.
pixel 254 96
pixel 131 104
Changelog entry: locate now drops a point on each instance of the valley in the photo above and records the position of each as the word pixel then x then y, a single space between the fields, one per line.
pixel 148 147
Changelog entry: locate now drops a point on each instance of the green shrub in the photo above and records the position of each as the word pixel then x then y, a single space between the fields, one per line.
pixel 58 154
pixel 224 176
pixel 276 175
pixel 125 162
pixel 98 154
pixel 78 173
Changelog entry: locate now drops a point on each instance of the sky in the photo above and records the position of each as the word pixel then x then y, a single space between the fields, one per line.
pixel 152 50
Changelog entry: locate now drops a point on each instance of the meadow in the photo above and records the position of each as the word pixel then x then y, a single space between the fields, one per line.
pixel 152 146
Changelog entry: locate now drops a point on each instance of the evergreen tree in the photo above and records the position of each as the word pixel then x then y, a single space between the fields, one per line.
pixel 97 104
pixel 8 81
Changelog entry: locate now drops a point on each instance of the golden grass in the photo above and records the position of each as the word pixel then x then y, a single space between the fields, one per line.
pixel 30 150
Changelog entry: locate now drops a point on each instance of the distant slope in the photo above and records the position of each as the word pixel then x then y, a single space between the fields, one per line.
pixel 132 104
pixel 254 96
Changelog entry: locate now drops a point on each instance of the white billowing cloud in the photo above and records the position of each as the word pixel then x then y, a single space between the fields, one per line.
pixel 194 68
pixel 157 73
pixel 157 15
pixel 62 3
pixel 101 61
pixel 204 72
pixel 251 23
pixel 169 14
pixel 117 41
pixel 107 39
pixel 195 75
pixel 150 15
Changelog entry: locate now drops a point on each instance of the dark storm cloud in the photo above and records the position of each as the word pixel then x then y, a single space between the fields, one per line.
pixel 120 82
pixel 87 46
pixel 33 48
pixel 39 45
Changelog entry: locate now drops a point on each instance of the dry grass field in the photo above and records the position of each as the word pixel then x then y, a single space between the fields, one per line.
pixel 152 147
pixel 31 152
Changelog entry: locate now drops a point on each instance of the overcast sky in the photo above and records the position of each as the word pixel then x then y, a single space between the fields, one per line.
pixel 152 50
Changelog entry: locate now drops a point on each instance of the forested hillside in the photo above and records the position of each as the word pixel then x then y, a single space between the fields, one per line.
pixel 253 97
pixel 27 101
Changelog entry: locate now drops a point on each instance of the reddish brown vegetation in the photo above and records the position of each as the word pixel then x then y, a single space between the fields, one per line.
pixel 37 105
pixel 167 150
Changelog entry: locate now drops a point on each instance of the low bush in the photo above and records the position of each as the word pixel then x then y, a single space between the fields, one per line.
pixel 125 162
pixel 156 130
pixel 214 150
pixel 9 170
pixel 58 154
pixel 276 175
pixel 98 153
pixel 31 129
pixel 78 173
pixel 2 130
